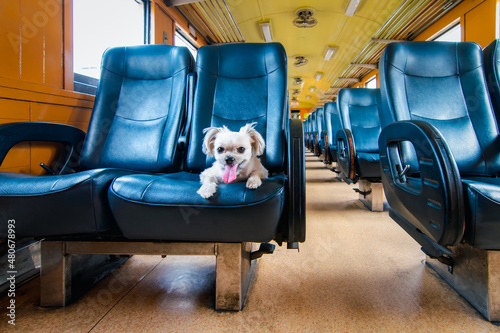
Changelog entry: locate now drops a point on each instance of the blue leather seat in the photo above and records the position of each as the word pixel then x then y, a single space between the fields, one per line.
pixel 307 125
pixel 491 58
pixel 332 125
pixel 440 155
pixel 357 141
pixel 313 129
pixel 137 117
pixel 320 127
pixel 236 84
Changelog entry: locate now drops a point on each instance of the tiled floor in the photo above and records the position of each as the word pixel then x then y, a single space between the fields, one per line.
pixel 357 272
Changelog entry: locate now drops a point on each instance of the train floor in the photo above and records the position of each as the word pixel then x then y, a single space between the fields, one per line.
pixel 358 271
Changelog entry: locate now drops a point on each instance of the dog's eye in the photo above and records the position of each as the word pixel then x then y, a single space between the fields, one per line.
pixel 241 150
pixel 220 150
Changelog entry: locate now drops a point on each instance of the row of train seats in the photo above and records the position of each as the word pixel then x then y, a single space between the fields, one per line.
pixel 439 152
pixel 344 135
pixel 129 185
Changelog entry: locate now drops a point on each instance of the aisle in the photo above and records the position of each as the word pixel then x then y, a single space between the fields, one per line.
pixel 358 271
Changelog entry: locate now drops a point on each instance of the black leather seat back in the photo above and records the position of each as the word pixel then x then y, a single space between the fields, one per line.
pixel 239 84
pixel 448 90
pixel 138 112
pixel 359 110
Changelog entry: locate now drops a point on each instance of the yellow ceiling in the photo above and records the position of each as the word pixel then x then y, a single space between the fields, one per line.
pixel 349 34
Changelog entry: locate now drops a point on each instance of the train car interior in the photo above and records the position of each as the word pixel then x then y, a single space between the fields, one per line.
pixel 250 166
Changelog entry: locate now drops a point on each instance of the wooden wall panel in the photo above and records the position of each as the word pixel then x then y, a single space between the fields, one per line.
pixel 480 23
pixel 18 158
pixel 63 114
pixel 9 39
pixel 26 157
pixel 163 23
pixel 31 40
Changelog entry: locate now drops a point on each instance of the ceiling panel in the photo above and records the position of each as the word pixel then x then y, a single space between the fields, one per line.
pixel 238 20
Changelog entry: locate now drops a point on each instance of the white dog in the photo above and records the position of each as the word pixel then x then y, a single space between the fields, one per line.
pixel 235 158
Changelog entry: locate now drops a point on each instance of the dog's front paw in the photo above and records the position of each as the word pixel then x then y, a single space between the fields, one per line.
pixel 253 182
pixel 206 191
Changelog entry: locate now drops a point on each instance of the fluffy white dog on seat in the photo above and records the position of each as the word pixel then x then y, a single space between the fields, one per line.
pixel 235 158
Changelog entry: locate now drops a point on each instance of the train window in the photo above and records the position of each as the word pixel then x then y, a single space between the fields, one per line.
pixel 371 83
pixel 181 40
pixel 453 34
pixel 98 25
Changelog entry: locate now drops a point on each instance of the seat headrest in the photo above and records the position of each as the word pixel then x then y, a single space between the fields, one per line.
pixel 241 60
pixel 359 97
pixel 145 62
pixel 433 59
pixel 331 107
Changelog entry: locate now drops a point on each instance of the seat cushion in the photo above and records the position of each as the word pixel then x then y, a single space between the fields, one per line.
pixel 369 165
pixel 63 205
pixel 482 209
pixel 167 207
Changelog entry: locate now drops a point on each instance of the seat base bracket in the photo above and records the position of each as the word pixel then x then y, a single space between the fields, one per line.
pixel 475 275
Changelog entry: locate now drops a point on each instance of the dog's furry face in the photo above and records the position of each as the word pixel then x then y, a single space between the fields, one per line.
pixel 233 148
pixel 235 158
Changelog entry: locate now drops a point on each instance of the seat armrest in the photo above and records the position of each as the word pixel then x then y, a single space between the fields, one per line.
pixel 72 138
pixel 346 155
pixel 296 184
pixel 432 200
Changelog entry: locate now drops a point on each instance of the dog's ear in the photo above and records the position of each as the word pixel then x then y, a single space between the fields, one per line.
pixel 208 141
pixel 258 143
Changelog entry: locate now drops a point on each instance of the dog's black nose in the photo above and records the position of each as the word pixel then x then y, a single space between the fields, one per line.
pixel 229 160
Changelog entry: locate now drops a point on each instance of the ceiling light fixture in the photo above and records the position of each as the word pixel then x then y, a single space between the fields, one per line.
pixel 329 52
pixel 311 89
pixel 318 76
pixel 351 7
pixel 265 25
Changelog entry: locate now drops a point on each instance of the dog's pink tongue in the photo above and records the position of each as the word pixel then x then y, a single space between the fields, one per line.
pixel 229 173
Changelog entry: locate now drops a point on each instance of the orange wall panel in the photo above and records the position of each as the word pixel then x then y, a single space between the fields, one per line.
pixel 163 23
pixel 53 45
pixel 480 23
pixel 41 55
pixel 42 152
pixel 18 158
pixel 12 109
pixel 32 51
pixel 61 114
pixel 46 152
pixel 31 40
pixel 9 39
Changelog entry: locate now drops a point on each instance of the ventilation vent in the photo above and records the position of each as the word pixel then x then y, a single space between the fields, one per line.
pixel 300 61
pixel 298 81
pixel 305 18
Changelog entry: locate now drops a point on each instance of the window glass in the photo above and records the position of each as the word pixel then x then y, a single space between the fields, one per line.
pixel 99 25
pixel 454 34
pixel 181 40
pixel 372 83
